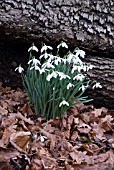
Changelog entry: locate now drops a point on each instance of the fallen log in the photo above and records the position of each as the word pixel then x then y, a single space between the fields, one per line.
pixel 89 24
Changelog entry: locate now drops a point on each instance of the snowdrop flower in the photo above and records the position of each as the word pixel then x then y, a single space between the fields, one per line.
pixel 80 53
pixel 42 138
pixel 82 88
pixel 42 70
pixel 20 69
pixel 35 67
pixel 76 60
pixel 79 77
pixel 84 67
pixel 62 44
pixel 77 68
pixel 45 47
pixel 70 85
pixel 63 76
pixel 48 65
pixel 70 57
pixel 63 103
pixel 57 60
pixel 34 61
pixel 33 47
pixel 90 67
pixel 49 76
pixel 97 85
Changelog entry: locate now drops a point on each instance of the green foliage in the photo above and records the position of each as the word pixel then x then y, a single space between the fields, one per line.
pixel 54 83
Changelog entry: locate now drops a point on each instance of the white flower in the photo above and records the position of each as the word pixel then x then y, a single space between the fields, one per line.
pixel 80 53
pixel 49 76
pixel 70 57
pixel 48 65
pixel 20 69
pixel 34 48
pixel 42 70
pixel 83 88
pixel 76 60
pixel 97 85
pixel 79 68
pixel 62 75
pixel 70 85
pixel 90 67
pixel 84 67
pixel 62 44
pixel 42 138
pixel 79 77
pixel 45 47
pixel 57 60
pixel 63 103
pixel 34 61
pixel 35 67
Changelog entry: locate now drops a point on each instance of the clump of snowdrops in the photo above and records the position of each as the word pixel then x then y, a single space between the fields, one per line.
pixel 54 83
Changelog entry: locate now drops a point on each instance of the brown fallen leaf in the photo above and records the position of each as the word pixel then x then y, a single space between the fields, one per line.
pixel 78 156
pixel 3 111
pixel 5 138
pixel 20 139
pixel 27 120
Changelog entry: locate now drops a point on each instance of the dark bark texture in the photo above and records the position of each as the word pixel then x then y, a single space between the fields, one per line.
pixel 86 23
pixel 103 73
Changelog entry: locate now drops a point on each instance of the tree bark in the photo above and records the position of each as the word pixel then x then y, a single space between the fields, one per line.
pixel 89 24
pixel 103 73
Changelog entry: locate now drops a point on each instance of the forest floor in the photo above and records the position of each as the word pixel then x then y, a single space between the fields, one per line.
pixel 82 139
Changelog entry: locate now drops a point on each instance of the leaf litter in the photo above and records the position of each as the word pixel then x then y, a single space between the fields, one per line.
pixel 81 139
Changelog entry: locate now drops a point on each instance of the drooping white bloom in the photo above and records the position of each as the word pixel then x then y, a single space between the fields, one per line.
pixel 62 44
pixel 42 138
pixel 80 53
pixel 84 67
pixel 34 61
pixel 79 77
pixel 82 88
pixel 97 85
pixel 35 67
pixel 76 60
pixel 48 65
pixel 45 47
pixel 57 60
pixel 20 69
pixel 70 57
pixel 53 74
pixel 63 103
pixel 34 48
pixel 76 68
pixel 62 75
pixel 42 70
pixel 49 76
pixel 90 67
pixel 70 85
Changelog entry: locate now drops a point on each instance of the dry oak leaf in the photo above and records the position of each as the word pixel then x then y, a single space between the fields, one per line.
pixel 78 156
pixel 3 111
pixel 97 129
pixel 98 112
pixel 5 138
pixel 36 164
pixel 8 153
pixel 21 139
pixel 27 120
